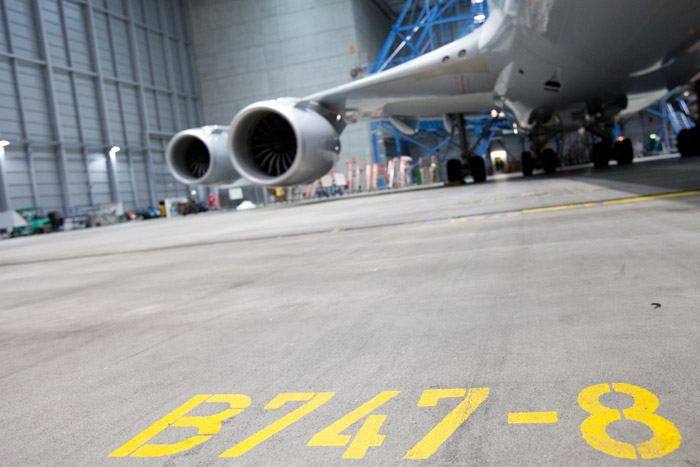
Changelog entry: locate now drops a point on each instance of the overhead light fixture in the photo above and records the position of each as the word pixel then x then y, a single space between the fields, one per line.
pixel 113 152
pixel 480 18
pixel 4 143
pixel 494 113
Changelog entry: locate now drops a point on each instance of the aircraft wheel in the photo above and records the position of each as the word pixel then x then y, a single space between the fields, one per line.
pixel 455 171
pixel 601 155
pixel 689 142
pixel 549 161
pixel 528 164
pixel 624 153
pixel 478 169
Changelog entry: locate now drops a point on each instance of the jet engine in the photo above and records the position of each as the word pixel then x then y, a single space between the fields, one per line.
pixel 274 143
pixel 198 156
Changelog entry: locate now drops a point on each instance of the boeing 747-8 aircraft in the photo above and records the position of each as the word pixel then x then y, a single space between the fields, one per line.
pixel 554 64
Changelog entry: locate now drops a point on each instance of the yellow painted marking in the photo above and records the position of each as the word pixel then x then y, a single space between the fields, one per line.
pixel 480 218
pixel 207 425
pixel 593 428
pixel 430 397
pixel 666 437
pixel 316 400
pixel 367 437
pixel 532 417
pixel 589 205
pixel 552 208
pixel 335 230
pixel 454 221
pixel 514 214
pixel 427 446
pixel 495 217
pixel 330 436
pixel 158 426
pixel 650 197
pixel 560 190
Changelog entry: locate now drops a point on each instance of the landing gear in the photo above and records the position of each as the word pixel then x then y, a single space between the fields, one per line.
pixel 528 163
pixel 550 161
pixel 604 152
pixel 541 156
pixel 600 155
pixel 609 147
pixel 478 168
pixel 455 171
pixel 470 165
pixel 623 152
pixel 689 142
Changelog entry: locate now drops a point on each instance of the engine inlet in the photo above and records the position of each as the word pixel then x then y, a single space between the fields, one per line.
pixel 273 145
pixel 196 157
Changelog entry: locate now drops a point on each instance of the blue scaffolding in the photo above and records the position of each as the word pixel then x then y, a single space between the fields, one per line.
pixel 674 113
pixel 426 25
pixel 423 26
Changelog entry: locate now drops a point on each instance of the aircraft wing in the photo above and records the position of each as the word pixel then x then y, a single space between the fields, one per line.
pixel 453 78
pixel 581 61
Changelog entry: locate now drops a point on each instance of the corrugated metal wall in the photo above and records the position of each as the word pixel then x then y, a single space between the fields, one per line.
pixel 78 77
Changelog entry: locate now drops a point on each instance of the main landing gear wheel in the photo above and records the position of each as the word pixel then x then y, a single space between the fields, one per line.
pixel 601 155
pixel 689 142
pixel 623 151
pixel 455 171
pixel 549 161
pixel 478 169
pixel 527 163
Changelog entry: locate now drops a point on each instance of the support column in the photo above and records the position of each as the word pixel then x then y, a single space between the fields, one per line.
pixel 133 53
pixel 21 107
pixel 179 123
pixel 53 103
pixel 463 144
pixel 5 204
pixel 122 114
pixel 106 134
pixel 78 112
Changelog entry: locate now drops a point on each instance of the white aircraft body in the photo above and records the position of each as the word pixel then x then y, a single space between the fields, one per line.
pixel 554 64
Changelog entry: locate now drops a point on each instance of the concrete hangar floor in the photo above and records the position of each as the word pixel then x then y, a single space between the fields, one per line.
pixel 541 321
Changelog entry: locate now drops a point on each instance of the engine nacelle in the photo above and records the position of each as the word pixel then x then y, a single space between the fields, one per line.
pixel 199 156
pixel 273 143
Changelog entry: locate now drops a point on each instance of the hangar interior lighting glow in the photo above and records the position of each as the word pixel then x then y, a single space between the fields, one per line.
pixel 4 143
pixel 500 154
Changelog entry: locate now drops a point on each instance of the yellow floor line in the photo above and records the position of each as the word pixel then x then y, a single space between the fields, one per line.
pixel 650 197
pixel 552 208
pixel 532 417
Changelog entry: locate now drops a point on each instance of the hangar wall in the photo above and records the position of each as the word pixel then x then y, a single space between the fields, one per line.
pixel 251 50
pixel 78 77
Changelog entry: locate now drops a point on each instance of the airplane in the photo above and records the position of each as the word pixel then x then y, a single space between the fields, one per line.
pixel 553 64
